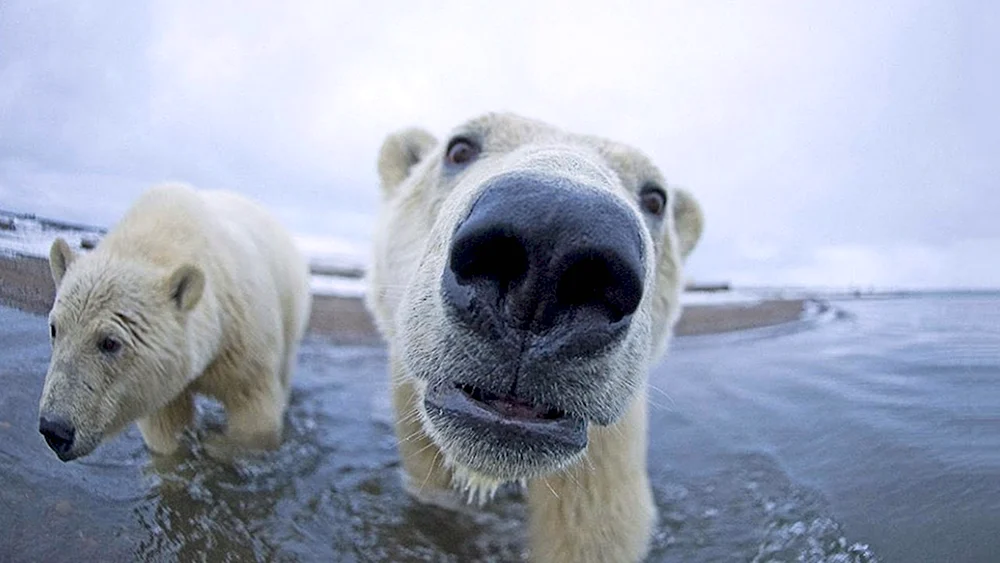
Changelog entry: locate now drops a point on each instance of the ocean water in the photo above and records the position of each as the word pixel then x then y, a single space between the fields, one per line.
pixel 870 435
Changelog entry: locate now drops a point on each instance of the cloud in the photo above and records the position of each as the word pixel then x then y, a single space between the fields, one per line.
pixel 963 263
pixel 802 128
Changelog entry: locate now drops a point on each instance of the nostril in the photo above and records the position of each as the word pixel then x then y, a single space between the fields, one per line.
pixel 602 281
pixel 539 253
pixel 491 255
pixel 58 433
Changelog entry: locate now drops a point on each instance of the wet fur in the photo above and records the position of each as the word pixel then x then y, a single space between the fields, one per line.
pixel 598 506
pixel 208 294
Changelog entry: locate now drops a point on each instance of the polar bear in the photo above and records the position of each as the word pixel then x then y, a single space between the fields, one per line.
pixel 524 279
pixel 192 292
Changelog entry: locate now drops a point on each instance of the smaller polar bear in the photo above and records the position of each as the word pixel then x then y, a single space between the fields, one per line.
pixel 192 292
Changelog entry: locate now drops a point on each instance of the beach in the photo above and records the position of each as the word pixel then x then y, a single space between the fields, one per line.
pixel 338 311
pixel 26 284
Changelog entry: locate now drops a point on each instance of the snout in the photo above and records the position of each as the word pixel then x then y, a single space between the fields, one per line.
pixel 542 257
pixel 543 279
pixel 60 435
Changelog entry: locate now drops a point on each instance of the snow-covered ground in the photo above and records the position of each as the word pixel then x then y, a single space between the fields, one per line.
pixel 337 286
pixel 25 236
pixel 732 297
pixel 28 236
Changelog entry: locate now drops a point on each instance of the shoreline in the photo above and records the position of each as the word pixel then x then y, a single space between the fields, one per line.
pixel 26 284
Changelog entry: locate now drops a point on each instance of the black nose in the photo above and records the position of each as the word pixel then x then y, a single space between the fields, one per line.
pixel 540 253
pixel 59 434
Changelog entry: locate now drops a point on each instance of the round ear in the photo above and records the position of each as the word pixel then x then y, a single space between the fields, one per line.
pixel 400 152
pixel 60 257
pixel 688 220
pixel 186 285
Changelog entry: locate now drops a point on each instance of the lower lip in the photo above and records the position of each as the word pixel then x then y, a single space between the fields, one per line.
pixel 448 401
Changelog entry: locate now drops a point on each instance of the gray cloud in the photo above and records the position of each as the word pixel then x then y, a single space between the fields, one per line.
pixel 847 143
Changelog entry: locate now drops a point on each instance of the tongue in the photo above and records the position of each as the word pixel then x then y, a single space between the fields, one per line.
pixel 513 409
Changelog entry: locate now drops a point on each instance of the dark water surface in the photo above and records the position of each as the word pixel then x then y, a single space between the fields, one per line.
pixel 798 443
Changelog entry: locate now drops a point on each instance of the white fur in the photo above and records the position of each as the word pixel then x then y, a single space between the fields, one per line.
pixel 597 506
pixel 207 293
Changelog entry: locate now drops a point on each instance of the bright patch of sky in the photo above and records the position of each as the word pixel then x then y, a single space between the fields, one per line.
pixel 830 143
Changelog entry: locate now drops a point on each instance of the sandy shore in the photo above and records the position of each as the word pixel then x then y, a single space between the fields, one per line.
pixel 25 284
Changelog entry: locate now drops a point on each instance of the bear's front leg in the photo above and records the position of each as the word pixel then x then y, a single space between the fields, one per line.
pixel 255 410
pixel 601 509
pixel 161 430
pixel 254 422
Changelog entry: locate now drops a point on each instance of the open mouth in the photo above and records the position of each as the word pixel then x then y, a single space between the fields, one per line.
pixel 511 407
pixel 507 422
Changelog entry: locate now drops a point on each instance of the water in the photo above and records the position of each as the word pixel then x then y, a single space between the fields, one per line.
pixel 804 442
pixel 892 414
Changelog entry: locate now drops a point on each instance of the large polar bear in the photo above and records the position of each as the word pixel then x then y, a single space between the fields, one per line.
pixel 525 278
pixel 192 292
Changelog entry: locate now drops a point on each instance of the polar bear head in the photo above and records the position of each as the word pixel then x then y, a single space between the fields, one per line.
pixel 525 278
pixel 121 346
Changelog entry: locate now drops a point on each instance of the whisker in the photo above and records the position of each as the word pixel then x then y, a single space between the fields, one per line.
pixel 412 417
pixel 429 444
pixel 429 470
pixel 546 481
pixel 568 473
pixel 664 393
pixel 413 435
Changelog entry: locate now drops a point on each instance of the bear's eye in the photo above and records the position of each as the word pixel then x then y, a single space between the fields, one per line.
pixel 653 199
pixel 461 151
pixel 109 345
pixel 52 331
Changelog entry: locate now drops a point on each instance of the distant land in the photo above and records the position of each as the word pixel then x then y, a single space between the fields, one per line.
pixel 338 286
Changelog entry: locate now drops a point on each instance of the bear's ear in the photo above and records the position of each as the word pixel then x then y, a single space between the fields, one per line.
pixel 400 151
pixel 688 220
pixel 60 257
pixel 186 285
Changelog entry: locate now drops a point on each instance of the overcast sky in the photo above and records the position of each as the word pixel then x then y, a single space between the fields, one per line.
pixel 830 143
